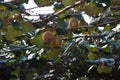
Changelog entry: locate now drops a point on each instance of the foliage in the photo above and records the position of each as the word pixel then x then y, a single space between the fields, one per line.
pixel 88 52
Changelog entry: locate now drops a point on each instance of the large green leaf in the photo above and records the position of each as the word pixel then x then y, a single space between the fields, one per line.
pixel 52 53
pixel 100 69
pixel 92 9
pixel 68 2
pixel 27 26
pixel 104 69
pixel 12 33
pixel 2 7
pixel 37 40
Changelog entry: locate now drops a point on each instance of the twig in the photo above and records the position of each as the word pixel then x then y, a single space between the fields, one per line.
pixel 67 8
pixel 110 22
pixel 19 48
pixel 100 35
pixel 86 36
pixel 65 52
pixel 116 7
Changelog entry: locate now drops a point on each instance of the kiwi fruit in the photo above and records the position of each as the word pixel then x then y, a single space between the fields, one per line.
pixel 47 36
pixel 73 23
pixel 57 41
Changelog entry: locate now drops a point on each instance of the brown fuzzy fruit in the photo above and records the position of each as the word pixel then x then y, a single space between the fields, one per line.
pixel 47 37
pixel 57 41
pixel 73 23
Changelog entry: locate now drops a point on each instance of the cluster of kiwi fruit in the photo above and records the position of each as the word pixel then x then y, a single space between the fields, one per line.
pixel 48 37
pixel 56 40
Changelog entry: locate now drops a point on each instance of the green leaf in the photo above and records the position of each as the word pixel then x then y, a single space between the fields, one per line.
pixel 84 43
pixel 116 43
pixel 107 28
pixel 104 69
pixel 106 48
pixel 92 56
pixel 12 61
pixel 43 2
pixel 13 13
pixel 69 34
pixel 92 9
pixel 52 53
pixel 62 16
pixel 23 58
pixel 82 23
pixel 117 13
pixel 37 40
pixel 115 2
pixel 57 60
pixel 2 7
pixel 16 72
pixel 61 31
pixel 91 30
pixel 107 69
pixel 68 2
pixel 92 48
pixel 61 23
pixel 27 26
pixel 11 33
pixel 100 69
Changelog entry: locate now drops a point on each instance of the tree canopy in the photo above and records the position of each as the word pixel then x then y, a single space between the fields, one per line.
pixel 59 39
